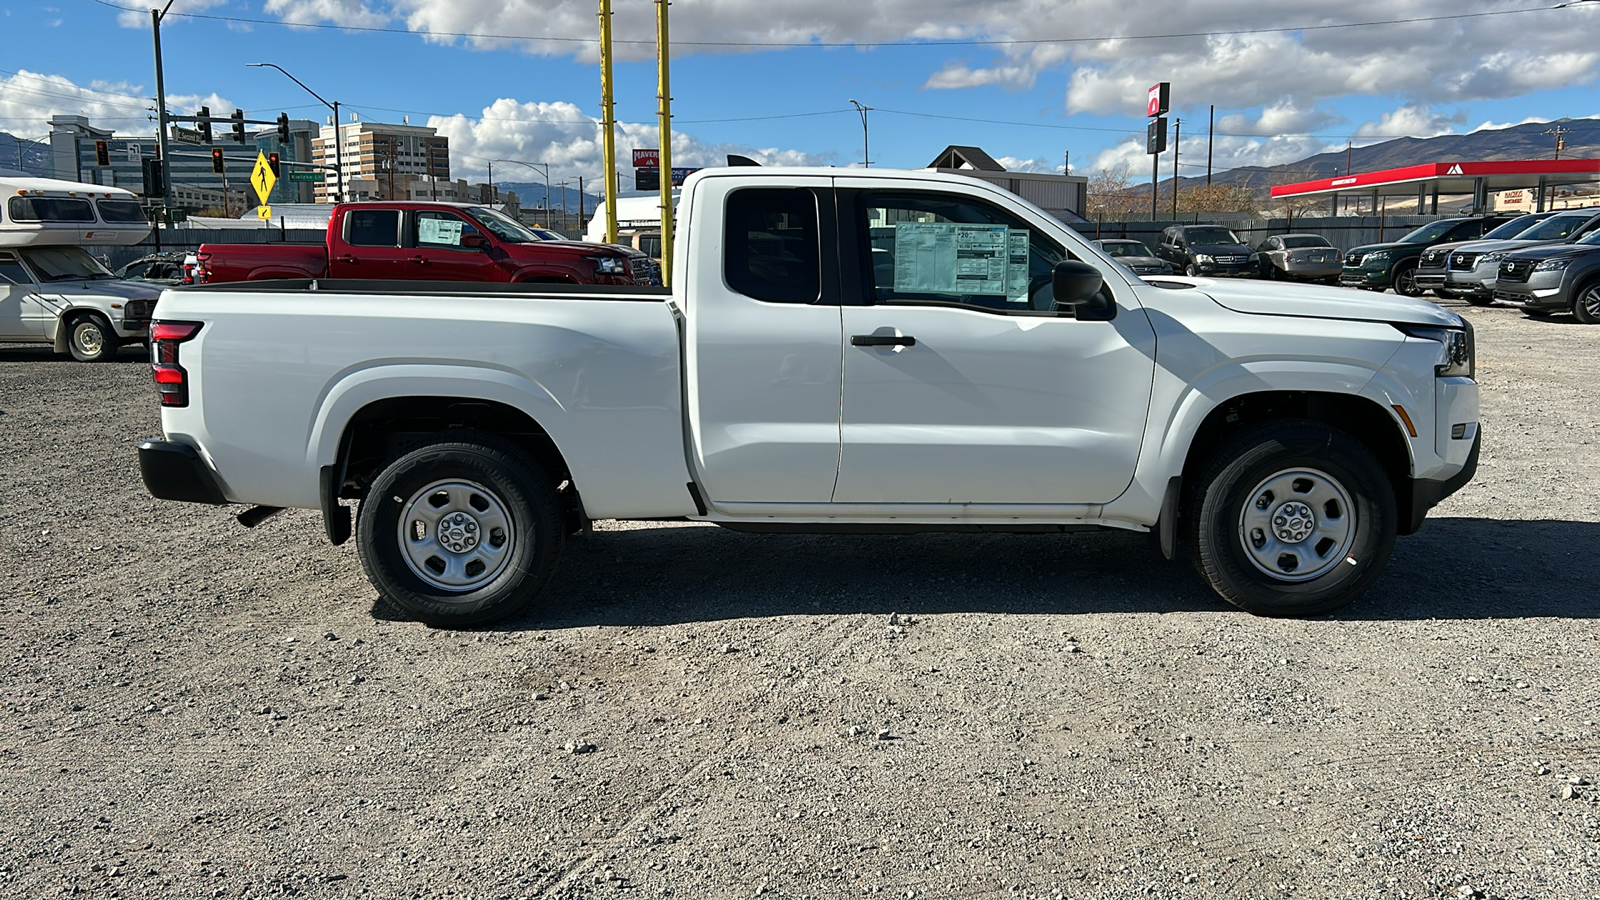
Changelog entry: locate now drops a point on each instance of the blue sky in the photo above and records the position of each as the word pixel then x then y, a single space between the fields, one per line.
pixel 936 72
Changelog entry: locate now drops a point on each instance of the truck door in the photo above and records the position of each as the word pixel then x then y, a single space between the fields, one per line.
pixel 368 245
pixel 762 348
pixel 962 381
pixel 19 317
pixel 443 249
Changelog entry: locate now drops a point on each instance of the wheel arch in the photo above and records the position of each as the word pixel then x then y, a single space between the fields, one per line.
pixel 1363 419
pixel 63 325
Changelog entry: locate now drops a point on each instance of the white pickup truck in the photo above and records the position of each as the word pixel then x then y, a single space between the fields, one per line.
pixel 842 351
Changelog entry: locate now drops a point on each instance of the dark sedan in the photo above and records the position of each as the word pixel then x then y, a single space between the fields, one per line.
pixel 1135 255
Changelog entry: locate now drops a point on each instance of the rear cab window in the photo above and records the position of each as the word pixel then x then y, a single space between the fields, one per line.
pixel 372 227
pixel 772 246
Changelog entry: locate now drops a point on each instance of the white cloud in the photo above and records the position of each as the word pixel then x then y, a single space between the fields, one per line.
pixel 140 18
pixel 560 135
pixel 334 12
pixel 29 99
pixel 1410 120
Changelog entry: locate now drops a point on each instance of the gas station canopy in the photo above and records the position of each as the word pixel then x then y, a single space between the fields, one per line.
pixel 1432 179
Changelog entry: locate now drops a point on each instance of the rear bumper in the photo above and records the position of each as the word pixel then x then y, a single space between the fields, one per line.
pixel 174 471
pixel 1426 492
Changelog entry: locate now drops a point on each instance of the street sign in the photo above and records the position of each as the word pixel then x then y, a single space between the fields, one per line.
pixel 263 212
pixel 186 135
pixel 646 159
pixel 1155 136
pixel 306 176
pixel 261 177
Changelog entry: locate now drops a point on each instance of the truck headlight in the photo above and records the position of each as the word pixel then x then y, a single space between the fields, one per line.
pixel 1377 256
pixel 1494 257
pixel 1460 350
pixel 1552 265
pixel 610 265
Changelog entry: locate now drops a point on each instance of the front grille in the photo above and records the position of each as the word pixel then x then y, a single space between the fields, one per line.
pixel 1515 270
pixel 1229 260
pixel 1463 262
pixel 1433 258
pixel 1353 258
pixel 642 270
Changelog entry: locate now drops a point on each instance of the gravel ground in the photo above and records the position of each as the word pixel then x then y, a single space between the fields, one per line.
pixel 192 709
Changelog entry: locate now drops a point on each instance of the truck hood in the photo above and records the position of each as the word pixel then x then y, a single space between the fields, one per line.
pixel 1392 245
pixel 105 287
pixel 1275 298
pixel 574 248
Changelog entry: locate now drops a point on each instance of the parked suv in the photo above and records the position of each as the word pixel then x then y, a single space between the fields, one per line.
pixel 1378 267
pixel 1431 265
pixel 1205 250
pixel 1552 277
pixel 1473 267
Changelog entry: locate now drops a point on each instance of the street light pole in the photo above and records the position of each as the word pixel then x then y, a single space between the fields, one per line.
pixel 161 114
pixel 338 138
pixel 866 157
pixel 544 167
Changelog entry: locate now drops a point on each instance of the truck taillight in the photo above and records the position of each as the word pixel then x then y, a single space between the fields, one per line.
pixel 172 381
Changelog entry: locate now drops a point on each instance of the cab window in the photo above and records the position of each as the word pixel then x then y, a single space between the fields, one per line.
pixel 441 230
pixel 372 227
pixel 954 250
pixel 11 270
pixel 49 209
pixel 771 245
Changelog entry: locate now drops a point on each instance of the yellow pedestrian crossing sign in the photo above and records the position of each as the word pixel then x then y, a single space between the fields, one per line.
pixel 261 178
pixel 263 212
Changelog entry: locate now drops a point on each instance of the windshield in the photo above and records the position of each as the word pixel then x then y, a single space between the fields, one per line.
pixel 1513 228
pixel 1292 241
pixel 1592 237
pixel 503 226
pixel 117 212
pixel 1208 236
pixel 1554 228
pixel 64 263
pixel 1125 248
pixel 1429 232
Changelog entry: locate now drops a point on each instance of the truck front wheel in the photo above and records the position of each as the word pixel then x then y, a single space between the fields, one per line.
pixel 91 339
pixel 460 532
pixel 1293 518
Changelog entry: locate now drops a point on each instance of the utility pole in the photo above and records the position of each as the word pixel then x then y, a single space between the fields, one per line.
pixel 491 181
pixel 1177 137
pixel 866 155
pixel 664 128
pixel 580 202
pixel 1211 131
pixel 1561 144
pixel 608 122
pixel 161 115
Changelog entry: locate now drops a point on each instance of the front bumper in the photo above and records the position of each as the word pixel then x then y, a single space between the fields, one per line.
pixel 1229 270
pixel 1542 290
pixel 1426 492
pixel 174 471
pixel 1367 277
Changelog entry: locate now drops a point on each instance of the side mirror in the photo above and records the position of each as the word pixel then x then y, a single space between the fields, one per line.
pixel 474 242
pixel 1077 284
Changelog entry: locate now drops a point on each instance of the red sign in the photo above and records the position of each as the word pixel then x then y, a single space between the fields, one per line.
pixel 1156 105
pixel 646 159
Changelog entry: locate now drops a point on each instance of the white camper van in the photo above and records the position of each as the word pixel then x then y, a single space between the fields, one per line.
pixel 51 289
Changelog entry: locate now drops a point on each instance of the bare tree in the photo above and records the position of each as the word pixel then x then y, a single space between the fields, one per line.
pixel 1108 194
pixel 1217 197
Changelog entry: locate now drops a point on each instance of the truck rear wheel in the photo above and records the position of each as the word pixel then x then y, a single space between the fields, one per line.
pixel 461 532
pixel 91 339
pixel 1293 518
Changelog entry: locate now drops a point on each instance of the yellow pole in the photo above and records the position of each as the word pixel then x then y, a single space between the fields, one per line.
pixel 609 121
pixel 664 113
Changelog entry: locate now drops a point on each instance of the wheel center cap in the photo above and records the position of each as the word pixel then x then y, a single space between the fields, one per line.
pixel 458 532
pixel 1293 522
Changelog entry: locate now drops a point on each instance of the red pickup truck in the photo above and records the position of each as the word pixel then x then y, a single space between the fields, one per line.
pixel 427 241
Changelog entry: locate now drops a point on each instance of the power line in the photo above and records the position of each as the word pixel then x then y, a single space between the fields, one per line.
pixel 373 29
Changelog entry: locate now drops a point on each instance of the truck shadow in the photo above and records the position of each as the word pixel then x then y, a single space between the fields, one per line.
pixel 1455 568
pixel 130 353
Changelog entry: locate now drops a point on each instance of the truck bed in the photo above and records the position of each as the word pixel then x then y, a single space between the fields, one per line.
pixel 240 262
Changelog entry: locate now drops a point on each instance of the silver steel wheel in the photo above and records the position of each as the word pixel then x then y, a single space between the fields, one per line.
pixel 88 338
pixel 1297 524
pixel 1590 303
pixel 456 535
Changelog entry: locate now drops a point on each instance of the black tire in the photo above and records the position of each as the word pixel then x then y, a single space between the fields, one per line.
pixel 91 339
pixel 1538 313
pixel 1405 280
pixel 1340 489
pixel 485 481
pixel 1191 271
pixel 1586 304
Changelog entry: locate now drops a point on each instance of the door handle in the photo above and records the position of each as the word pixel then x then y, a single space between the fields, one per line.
pixel 882 340
pixel 420 260
pixel 348 258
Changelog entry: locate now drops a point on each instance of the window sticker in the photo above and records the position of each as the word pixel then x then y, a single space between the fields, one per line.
pixel 957 258
pixel 439 231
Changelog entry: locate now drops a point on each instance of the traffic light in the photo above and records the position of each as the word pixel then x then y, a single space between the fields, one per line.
pixel 216 160
pixel 272 163
pixel 283 128
pixel 102 153
pixel 238 125
pixel 205 125
pixel 155 185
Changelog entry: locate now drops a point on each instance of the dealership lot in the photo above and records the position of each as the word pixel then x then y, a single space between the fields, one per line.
pixel 194 709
